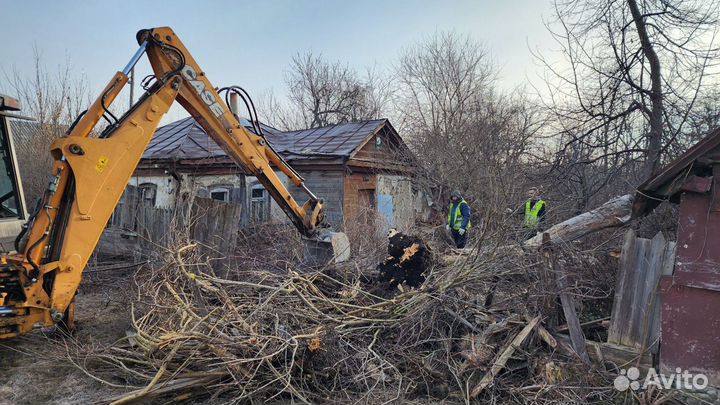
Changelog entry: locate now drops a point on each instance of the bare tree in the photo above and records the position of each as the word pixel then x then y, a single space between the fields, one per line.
pixel 324 93
pixel 278 113
pixel 635 69
pixel 440 77
pixel 464 134
pixel 53 99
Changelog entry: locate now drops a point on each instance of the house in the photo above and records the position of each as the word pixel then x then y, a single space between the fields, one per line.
pixel 690 292
pixel 361 170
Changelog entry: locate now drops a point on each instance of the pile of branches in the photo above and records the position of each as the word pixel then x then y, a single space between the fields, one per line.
pixel 473 330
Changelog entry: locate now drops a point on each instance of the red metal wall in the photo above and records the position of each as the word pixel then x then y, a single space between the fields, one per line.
pixel 691 296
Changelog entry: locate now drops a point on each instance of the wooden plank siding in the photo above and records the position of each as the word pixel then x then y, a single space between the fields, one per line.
pixel 635 318
pixel 358 188
pixel 327 185
pixel 136 226
pixel 390 155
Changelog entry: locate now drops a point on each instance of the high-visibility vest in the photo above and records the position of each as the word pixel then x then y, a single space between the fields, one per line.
pixel 458 216
pixel 531 213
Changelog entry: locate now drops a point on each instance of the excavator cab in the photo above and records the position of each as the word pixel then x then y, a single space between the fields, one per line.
pixel 12 204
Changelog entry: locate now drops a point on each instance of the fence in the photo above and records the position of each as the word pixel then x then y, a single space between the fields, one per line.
pixel 135 225
pixel 635 318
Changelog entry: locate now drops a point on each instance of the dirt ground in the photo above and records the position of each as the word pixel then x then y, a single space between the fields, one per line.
pixel 36 368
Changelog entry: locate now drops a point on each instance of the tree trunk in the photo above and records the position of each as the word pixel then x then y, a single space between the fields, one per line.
pixel 654 137
pixel 615 212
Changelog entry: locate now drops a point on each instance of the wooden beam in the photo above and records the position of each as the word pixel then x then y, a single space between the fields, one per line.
pixel 576 334
pixel 568 302
pixel 499 364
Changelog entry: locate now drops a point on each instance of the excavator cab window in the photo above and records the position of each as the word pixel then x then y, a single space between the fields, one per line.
pixel 10 207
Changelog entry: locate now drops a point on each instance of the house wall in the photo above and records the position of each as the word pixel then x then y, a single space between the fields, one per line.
pixel 167 186
pixel 165 192
pixel 327 185
pixel 348 197
pixel 395 203
pixel 239 185
pixel 276 213
pixel 359 196
pixel 206 183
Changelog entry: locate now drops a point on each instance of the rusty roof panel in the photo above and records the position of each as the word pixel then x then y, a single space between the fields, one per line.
pixel 658 188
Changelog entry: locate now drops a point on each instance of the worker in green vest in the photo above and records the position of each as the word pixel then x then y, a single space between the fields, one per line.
pixel 534 209
pixel 458 220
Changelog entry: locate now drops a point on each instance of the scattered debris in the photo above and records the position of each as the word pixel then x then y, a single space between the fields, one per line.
pixel 300 334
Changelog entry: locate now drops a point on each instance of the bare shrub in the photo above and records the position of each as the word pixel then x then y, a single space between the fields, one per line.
pixel 53 99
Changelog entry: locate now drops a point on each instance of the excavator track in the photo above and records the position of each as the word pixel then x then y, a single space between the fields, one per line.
pixel 12 318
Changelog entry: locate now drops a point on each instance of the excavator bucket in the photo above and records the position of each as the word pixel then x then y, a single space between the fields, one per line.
pixel 328 247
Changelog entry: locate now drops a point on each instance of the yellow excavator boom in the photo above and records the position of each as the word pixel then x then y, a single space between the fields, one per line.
pixel 39 282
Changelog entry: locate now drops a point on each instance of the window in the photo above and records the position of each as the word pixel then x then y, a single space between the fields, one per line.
pixel 259 204
pixel 9 197
pixel 258 192
pixel 220 194
pixel 148 193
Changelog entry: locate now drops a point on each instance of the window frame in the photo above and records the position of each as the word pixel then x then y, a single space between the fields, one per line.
pixel 142 187
pixel 10 160
pixel 220 189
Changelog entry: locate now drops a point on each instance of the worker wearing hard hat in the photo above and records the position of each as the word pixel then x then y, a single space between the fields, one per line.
pixel 458 220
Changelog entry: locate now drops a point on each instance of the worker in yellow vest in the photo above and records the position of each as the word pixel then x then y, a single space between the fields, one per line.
pixel 535 208
pixel 458 220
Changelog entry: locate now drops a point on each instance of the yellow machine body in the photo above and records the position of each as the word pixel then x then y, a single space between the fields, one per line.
pixel 38 284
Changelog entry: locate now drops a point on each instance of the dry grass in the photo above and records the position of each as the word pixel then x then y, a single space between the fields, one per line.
pixel 264 328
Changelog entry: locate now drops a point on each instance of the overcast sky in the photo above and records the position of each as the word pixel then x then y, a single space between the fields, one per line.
pixel 251 43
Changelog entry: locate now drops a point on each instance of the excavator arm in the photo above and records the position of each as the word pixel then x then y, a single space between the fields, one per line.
pixel 39 282
pixel 168 56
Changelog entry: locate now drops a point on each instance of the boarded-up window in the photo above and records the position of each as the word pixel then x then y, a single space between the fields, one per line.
pixel 148 193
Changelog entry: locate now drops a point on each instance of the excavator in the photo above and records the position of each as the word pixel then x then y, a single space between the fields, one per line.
pixel 39 280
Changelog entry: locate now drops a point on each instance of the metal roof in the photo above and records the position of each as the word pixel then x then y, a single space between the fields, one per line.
pixel 667 183
pixel 185 139
pixel 339 140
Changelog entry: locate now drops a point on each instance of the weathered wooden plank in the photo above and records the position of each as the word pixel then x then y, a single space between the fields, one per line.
pixel 618 317
pixel 669 260
pixel 211 222
pixel 634 306
pixel 635 314
pixel 617 355
pixel 499 364
pixel 568 304
pixel 647 290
